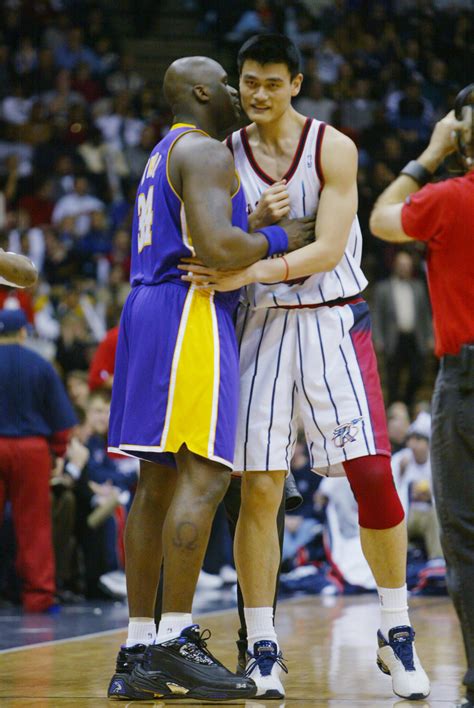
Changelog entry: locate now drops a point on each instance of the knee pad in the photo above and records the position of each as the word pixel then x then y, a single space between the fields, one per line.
pixel 372 483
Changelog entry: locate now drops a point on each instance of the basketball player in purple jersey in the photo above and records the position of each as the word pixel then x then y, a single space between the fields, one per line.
pixel 16 271
pixel 306 357
pixel 176 383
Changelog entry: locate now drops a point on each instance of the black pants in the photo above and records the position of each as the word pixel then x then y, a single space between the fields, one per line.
pixel 452 461
pixel 232 509
pixel 406 356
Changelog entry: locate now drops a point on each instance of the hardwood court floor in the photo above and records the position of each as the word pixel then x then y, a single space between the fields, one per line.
pixel 329 645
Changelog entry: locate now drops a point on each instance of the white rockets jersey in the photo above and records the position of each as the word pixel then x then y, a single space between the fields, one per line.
pixel 304 183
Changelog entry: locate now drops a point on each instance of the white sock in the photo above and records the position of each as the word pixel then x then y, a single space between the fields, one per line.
pixel 141 630
pixel 393 608
pixel 259 621
pixel 172 624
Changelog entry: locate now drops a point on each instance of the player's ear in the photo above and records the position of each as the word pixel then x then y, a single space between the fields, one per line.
pixel 201 92
pixel 296 85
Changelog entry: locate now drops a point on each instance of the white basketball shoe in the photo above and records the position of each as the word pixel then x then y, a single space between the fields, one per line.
pixel 397 657
pixel 264 666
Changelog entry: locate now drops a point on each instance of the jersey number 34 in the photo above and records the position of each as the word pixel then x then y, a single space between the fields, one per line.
pixel 145 218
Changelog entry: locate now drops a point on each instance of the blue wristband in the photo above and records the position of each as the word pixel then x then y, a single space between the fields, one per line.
pixel 277 239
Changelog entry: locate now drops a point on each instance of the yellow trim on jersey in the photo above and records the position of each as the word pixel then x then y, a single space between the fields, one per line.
pixel 182 125
pixel 217 374
pixel 185 235
pixel 191 415
pixel 238 185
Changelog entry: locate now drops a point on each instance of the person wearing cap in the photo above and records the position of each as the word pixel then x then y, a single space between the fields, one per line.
pixel 35 418
pixel 442 215
pixel 412 476
pixel 16 271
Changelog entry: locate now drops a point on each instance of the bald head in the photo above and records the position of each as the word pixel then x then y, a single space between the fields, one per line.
pixel 184 75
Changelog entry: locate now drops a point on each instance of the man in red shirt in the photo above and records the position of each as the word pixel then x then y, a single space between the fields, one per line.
pixel 101 372
pixel 442 215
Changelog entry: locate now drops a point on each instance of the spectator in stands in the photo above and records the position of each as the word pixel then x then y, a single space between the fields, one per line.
pixel 301 526
pixel 412 475
pixel 398 421
pixel 109 476
pixel 78 388
pixel 73 51
pixel 80 205
pixel 256 20
pixel 5 73
pixel 61 98
pixel 45 73
pixel 341 536
pixel 73 344
pixel 402 327
pixel 39 205
pixel 329 61
pixel 85 84
pixel 315 103
pixel 16 106
pixel 410 112
pixel 137 155
pixel 357 112
pixel 101 372
pixel 125 78
pixel 35 416
pixel 121 128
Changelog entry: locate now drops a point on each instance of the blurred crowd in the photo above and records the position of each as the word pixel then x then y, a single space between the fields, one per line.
pixel 77 123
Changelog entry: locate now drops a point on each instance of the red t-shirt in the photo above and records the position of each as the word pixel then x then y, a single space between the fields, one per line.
pixel 40 210
pixel 103 363
pixel 442 214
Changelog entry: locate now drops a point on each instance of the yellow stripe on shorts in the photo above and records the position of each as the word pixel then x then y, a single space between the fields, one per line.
pixel 194 386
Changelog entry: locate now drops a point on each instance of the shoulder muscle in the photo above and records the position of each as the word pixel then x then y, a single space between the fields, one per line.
pixel 338 156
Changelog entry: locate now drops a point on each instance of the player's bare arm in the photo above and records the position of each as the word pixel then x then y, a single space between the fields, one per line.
pixel 338 197
pixel 386 216
pixel 206 177
pixel 17 270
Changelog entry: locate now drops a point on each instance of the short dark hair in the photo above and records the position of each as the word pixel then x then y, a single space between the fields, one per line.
pixel 270 49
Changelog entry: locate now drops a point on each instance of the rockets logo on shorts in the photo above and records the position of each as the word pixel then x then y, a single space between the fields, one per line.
pixel 346 432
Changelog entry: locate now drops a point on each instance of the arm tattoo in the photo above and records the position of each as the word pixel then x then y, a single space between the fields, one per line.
pixel 186 536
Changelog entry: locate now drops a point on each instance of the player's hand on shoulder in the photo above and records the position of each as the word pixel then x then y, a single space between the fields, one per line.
pixel 300 231
pixel 274 204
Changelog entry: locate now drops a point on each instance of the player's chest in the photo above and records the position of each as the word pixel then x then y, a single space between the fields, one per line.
pixel 275 165
pixel 303 189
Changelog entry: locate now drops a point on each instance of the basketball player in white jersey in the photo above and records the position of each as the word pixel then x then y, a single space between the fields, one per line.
pixel 306 357
pixel 16 271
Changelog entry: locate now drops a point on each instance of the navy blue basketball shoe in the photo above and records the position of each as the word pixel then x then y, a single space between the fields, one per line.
pixel 120 687
pixel 185 668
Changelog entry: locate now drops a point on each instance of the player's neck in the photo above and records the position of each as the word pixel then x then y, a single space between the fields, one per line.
pixel 288 126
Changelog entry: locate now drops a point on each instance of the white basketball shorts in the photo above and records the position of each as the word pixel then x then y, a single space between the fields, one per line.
pixel 312 368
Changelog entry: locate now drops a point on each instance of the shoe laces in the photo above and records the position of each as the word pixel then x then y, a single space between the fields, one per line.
pixel 265 662
pixel 196 645
pixel 403 648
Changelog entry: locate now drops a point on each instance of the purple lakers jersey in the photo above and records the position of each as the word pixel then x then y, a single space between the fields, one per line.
pixel 160 237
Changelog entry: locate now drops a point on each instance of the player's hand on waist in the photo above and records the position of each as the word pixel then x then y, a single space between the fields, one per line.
pixel 273 205
pixel 301 232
